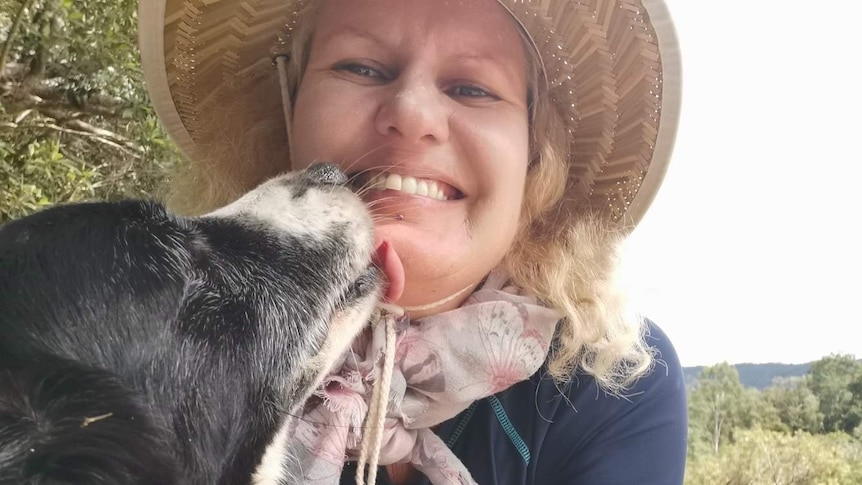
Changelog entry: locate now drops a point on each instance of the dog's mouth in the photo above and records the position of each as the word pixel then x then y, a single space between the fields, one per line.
pixel 383 279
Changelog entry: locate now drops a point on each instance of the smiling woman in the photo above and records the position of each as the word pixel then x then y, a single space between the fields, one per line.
pixel 504 149
pixel 410 89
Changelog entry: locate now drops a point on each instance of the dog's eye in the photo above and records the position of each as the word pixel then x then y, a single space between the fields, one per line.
pixel 365 284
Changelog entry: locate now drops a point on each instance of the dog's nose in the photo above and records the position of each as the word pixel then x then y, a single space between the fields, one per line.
pixel 326 173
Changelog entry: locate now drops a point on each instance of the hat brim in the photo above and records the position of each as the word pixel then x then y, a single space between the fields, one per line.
pixel 151 40
pixel 671 62
pixel 625 183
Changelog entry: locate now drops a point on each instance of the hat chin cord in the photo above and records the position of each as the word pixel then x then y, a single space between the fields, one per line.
pixel 281 64
pixel 437 303
pixel 375 420
pixel 372 436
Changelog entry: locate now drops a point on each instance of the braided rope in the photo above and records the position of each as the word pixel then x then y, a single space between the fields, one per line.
pixel 375 421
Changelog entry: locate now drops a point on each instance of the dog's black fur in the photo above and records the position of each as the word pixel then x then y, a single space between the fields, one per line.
pixel 139 347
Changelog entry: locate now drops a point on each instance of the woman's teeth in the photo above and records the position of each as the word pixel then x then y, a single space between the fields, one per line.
pixel 408 185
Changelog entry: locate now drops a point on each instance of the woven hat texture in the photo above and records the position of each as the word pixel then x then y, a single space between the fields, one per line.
pixel 612 68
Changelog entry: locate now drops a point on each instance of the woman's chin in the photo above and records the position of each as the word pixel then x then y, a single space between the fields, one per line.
pixel 420 244
pixel 440 267
pixel 425 262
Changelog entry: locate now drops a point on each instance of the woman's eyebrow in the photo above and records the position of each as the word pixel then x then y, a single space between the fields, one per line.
pixel 480 57
pixel 474 57
pixel 495 61
pixel 353 32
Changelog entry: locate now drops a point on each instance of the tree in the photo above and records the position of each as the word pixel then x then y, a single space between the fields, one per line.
pixel 75 119
pixel 837 382
pixel 717 405
pixel 755 411
pixel 797 407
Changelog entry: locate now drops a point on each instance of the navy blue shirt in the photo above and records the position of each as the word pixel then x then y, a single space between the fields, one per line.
pixel 532 433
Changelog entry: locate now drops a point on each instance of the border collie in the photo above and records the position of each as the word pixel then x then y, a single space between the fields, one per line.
pixel 140 347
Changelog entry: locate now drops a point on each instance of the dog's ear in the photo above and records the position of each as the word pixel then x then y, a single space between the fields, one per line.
pixel 61 422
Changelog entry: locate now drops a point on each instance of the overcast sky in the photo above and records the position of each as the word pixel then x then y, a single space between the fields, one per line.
pixel 752 250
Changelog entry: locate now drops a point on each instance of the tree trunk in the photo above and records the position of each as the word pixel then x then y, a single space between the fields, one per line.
pixel 13 31
pixel 716 431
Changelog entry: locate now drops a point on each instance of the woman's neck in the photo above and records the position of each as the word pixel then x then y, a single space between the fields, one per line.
pixel 444 304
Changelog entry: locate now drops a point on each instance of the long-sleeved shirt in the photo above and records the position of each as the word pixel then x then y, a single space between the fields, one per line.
pixel 538 433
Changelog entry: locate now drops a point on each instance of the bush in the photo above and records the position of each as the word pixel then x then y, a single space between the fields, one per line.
pixel 760 457
pixel 75 120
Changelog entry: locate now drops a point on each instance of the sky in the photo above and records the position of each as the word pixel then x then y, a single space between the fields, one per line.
pixel 752 251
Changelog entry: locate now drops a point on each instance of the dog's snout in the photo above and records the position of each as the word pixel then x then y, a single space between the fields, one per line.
pixel 326 173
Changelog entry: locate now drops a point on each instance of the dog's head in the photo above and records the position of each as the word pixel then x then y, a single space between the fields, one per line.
pixel 322 279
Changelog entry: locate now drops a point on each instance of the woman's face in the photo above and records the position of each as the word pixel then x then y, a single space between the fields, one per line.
pixel 428 99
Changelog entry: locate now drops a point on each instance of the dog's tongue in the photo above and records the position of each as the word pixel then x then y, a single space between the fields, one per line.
pixel 387 259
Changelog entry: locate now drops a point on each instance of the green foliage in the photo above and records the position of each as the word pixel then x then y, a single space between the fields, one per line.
pixel 837 382
pixel 740 436
pixel 75 120
pixel 797 407
pixel 47 167
pixel 760 457
pixel 716 405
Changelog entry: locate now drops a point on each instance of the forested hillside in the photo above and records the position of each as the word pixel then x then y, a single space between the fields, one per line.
pixel 798 430
pixel 758 376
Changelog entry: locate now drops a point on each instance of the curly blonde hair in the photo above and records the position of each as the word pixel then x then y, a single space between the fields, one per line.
pixel 565 252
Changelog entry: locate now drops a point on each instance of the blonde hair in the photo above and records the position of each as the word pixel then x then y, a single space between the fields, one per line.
pixel 565 252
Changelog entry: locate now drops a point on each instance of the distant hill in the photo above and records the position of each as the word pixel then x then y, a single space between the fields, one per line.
pixel 758 376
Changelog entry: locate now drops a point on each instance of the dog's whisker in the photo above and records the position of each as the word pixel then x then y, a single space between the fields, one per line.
pixel 416 171
pixel 366 181
pixel 376 208
pixel 352 164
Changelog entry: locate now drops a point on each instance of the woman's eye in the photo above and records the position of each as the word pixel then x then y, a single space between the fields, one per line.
pixel 469 91
pixel 359 70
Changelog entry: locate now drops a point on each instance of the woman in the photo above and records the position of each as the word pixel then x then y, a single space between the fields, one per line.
pixel 504 148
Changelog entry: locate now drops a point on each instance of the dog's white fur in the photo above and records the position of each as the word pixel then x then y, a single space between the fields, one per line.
pixel 273 203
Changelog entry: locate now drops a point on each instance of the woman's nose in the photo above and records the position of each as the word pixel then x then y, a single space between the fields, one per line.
pixel 415 110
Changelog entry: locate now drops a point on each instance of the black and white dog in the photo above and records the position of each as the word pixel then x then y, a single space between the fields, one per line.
pixel 139 347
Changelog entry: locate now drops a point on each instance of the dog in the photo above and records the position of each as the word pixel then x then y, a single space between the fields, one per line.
pixel 141 347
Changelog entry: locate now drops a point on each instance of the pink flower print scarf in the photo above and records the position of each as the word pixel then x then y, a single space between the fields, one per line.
pixel 443 363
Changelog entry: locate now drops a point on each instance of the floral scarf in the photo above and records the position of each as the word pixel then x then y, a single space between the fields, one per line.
pixel 442 364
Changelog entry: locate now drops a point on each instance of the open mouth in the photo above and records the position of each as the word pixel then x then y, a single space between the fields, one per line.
pixel 420 187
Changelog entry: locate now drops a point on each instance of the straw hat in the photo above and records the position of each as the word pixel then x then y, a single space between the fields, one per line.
pixel 612 67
